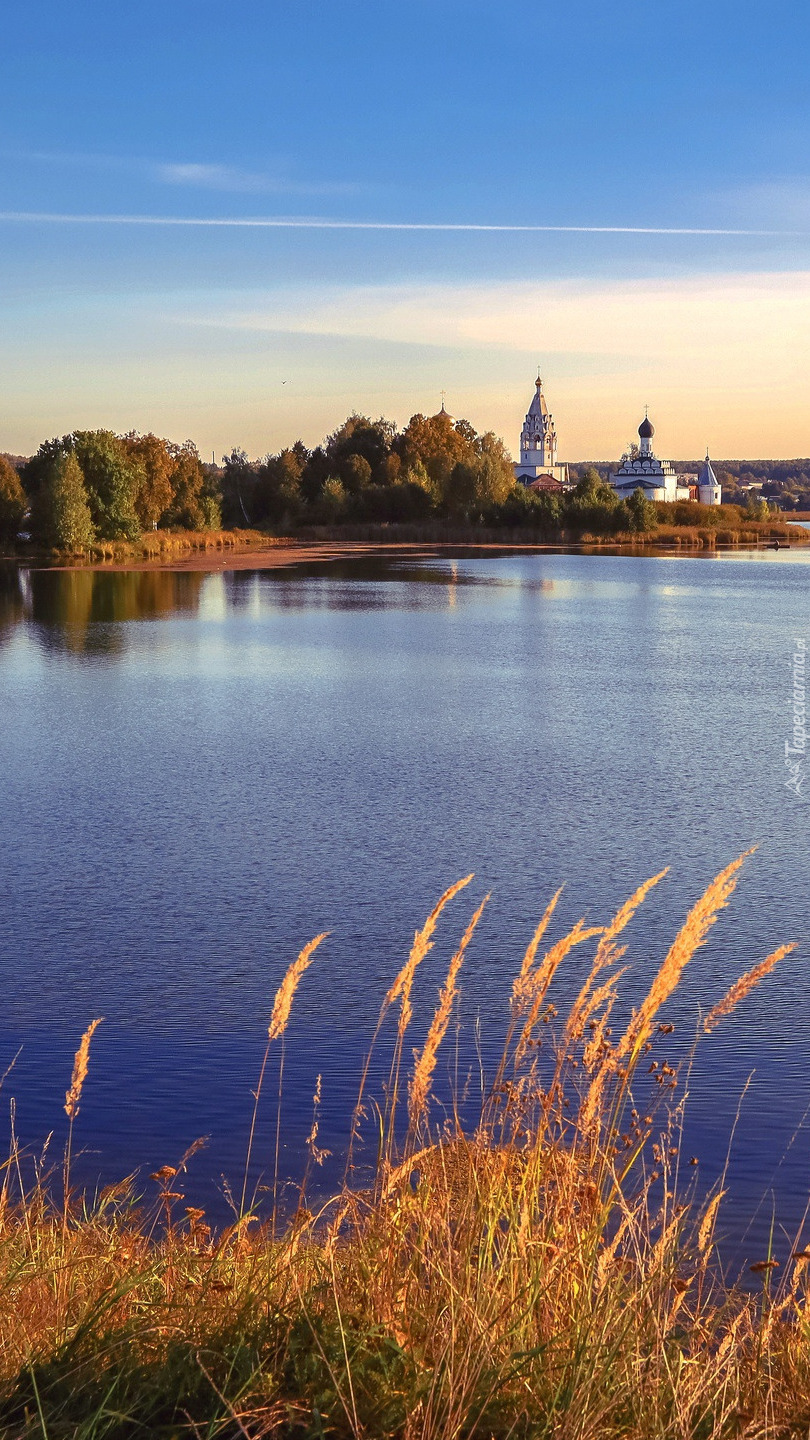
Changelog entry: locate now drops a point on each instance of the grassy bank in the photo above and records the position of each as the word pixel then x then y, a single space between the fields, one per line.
pixel 154 545
pixel 535 1273
pixel 667 537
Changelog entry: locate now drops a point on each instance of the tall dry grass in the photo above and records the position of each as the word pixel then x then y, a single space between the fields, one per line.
pixel 534 1273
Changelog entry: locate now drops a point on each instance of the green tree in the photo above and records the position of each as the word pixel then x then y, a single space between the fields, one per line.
pixel 13 503
pixel 755 507
pixel 315 474
pixel 61 515
pixel 370 440
pixel 355 473
pixel 592 489
pixel 643 514
pixel 494 469
pixel 332 503
pixel 461 489
pixel 416 473
pixel 536 510
pixel 278 487
pixel 113 478
pixel 239 484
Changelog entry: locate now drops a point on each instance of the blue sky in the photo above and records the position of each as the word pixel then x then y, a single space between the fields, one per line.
pixel 658 117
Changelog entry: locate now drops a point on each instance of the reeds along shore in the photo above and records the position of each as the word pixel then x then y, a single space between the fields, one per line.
pixel 534 1274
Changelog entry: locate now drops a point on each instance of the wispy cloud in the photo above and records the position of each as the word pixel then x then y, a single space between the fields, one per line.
pixel 297 222
pixel 255 182
pixel 190 174
pixel 740 315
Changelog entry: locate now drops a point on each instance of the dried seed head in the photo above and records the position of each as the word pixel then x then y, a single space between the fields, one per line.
pixel 282 1004
pixel 80 1063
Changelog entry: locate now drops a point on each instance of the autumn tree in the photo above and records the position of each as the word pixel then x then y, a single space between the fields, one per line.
pixel 194 505
pixel 434 442
pixel 466 472
pixel 156 459
pixel 13 503
pixel 278 485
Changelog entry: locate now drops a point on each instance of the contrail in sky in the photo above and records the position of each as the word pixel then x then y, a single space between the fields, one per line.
pixel 295 223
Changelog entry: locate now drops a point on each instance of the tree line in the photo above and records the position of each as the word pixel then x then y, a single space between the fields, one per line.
pixel 435 468
pixel 94 485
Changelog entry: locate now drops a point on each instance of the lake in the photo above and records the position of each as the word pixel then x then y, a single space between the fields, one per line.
pixel 202 771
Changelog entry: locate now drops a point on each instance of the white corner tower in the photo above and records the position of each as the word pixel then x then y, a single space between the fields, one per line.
pixel 538 443
pixel 709 491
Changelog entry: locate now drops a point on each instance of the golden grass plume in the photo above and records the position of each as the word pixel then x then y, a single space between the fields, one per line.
pixel 422 942
pixel 691 936
pixel 80 1064
pixel 282 1003
pixel 521 984
pixel 741 987
pixel 426 1062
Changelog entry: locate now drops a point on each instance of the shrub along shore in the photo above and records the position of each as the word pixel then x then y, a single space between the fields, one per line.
pixel 536 1271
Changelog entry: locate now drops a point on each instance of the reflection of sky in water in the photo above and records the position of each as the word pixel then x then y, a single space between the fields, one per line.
pixel 201 771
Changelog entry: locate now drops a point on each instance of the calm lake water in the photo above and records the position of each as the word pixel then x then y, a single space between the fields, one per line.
pixel 200 772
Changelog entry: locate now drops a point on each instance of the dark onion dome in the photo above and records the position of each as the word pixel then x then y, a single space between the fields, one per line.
pixel 646 429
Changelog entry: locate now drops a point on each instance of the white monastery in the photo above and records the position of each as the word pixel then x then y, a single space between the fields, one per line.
pixel 658 479
pixel 539 468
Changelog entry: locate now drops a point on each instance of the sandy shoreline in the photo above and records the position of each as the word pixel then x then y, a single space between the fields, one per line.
pixel 275 556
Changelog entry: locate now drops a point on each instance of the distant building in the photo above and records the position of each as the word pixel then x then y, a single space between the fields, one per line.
pixel 538 447
pixel 658 479
pixel 709 491
pixel 547 482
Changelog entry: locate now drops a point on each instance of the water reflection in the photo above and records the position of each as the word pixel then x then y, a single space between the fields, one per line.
pixel 84 611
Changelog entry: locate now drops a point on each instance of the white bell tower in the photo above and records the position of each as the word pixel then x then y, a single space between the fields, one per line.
pixel 538 444
pixel 538 438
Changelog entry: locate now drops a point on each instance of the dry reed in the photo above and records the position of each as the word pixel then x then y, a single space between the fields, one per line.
pixel 422 943
pixel 425 1063
pixel 743 986
pixel 689 939
pixel 80 1065
pixel 282 1004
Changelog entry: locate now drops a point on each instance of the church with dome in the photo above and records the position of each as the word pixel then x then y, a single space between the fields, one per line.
pixel 658 479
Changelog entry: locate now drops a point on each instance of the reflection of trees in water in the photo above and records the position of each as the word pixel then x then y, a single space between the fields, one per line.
pixel 241 588
pixel 12 601
pixel 355 584
pixel 83 610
